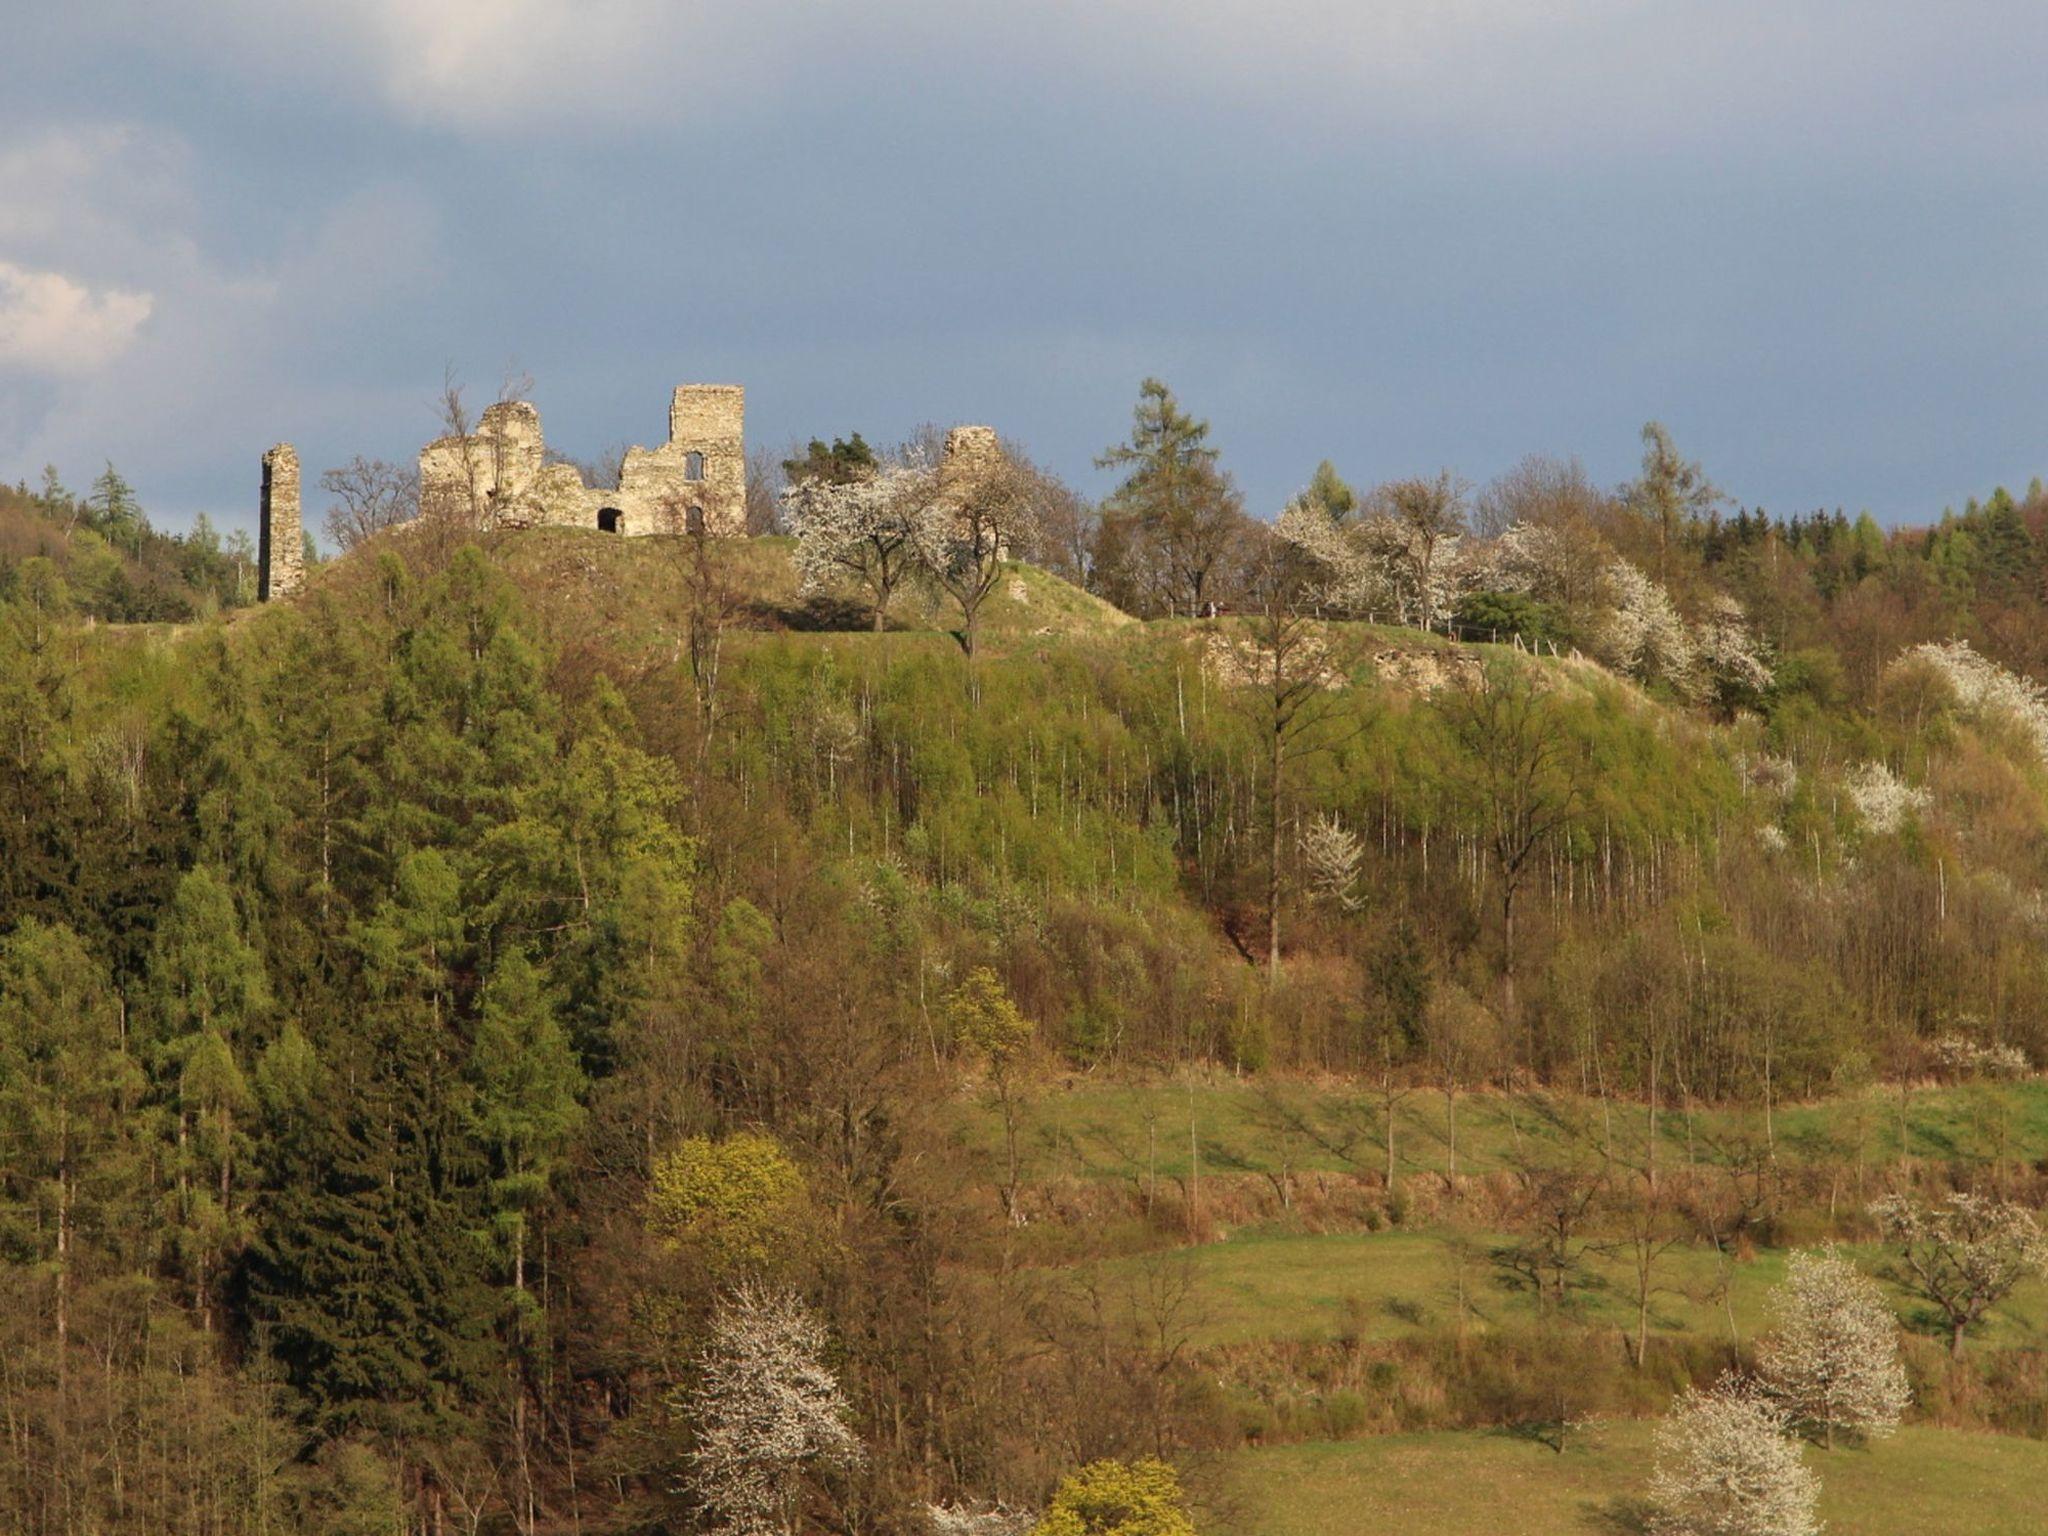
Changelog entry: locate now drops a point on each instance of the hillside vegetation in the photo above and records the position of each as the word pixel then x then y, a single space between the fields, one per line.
pixel 1229 1021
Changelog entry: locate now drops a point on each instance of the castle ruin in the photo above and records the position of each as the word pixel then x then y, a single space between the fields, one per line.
pixel 280 539
pixel 500 476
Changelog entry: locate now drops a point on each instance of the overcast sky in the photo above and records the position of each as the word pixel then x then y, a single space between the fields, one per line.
pixel 1400 234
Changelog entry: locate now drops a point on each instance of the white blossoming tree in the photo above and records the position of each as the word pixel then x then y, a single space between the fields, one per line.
pixel 1833 1359
pixel 1353 573
pixel 1882 798
pixel 1334 855
pixel 1980 686
pixel 1727 1466
pixel 996 1520
pixel 1644 636
pixel 1409 569
pixel 767 1411
pixel 1731 659
pixel 1963 1256
pixel 863 530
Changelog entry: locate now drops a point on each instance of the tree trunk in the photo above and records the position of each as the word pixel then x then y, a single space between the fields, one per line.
pixel 1275 768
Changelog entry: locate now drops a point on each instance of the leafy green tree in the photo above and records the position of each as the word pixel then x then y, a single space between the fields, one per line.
pixel 209 989
pixel 739 1202
pixel 115 512
pixel 1331 494
pixel 1671 494
pixel 1118 1498
pixel 985 1020
pixel 528 1091
pixel 847 460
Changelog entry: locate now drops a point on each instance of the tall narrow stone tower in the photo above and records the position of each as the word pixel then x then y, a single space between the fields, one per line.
pixel 281 542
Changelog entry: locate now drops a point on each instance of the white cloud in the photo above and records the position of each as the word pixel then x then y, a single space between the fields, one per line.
pixel 53 324
pixel 135 327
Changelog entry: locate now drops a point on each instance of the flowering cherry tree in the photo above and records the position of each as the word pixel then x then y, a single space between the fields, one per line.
pixel 1726 1466
pixel 1833 1360
pixel 1981 686
pixel 863 530
pixel 767 1410
pixel 1644 636
pixel 1964 1255
pixel 1882 798
pixel 1730 655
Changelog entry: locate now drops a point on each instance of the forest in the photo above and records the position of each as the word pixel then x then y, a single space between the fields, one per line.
pixel 977 1011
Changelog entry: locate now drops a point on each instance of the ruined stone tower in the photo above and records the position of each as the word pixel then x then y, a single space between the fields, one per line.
pixel 500 477
pixel 281 542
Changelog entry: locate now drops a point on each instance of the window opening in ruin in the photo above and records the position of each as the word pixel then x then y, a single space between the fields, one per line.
pixel 693 521
pixel 693 466
pixel 608 520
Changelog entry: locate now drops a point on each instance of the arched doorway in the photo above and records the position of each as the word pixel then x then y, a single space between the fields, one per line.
pixel 608 520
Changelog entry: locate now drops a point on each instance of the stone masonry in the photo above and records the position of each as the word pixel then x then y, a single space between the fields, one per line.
pixel 281 542
pixel 499 476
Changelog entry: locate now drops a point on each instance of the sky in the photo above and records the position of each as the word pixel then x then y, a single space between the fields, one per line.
pixel 1405 235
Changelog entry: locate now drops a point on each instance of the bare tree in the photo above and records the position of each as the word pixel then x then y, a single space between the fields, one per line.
pixel 1649 1230
pixel 1298 686
pixel 483 461
pixel 711 602
pixel 983 506
pixel 1521 781
pixel 1539 492
pixel 764 481
pixel 370 495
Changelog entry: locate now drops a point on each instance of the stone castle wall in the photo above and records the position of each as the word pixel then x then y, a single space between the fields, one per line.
pixel 499 477
pixel 280 537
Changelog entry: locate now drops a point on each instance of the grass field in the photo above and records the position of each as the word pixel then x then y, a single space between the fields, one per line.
pixel 1922 1482
pixel 1390 1284
pixel 1076 1129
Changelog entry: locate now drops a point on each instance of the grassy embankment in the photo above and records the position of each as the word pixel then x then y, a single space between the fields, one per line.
pixel 1922 1482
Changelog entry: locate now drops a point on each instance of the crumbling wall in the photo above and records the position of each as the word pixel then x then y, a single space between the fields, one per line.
pixel 487 478
pixel 499 477
pixel 281 539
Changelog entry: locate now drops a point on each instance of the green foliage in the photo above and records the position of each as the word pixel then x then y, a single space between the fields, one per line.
pixel 1502 616
pixel 983 1018
pixel 740 1202
pixel 847 459
pixel 1116 1498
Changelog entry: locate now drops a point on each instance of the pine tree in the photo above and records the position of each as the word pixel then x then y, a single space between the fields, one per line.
pixel 1182 513
pixel 71 1177
pixel 114 511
